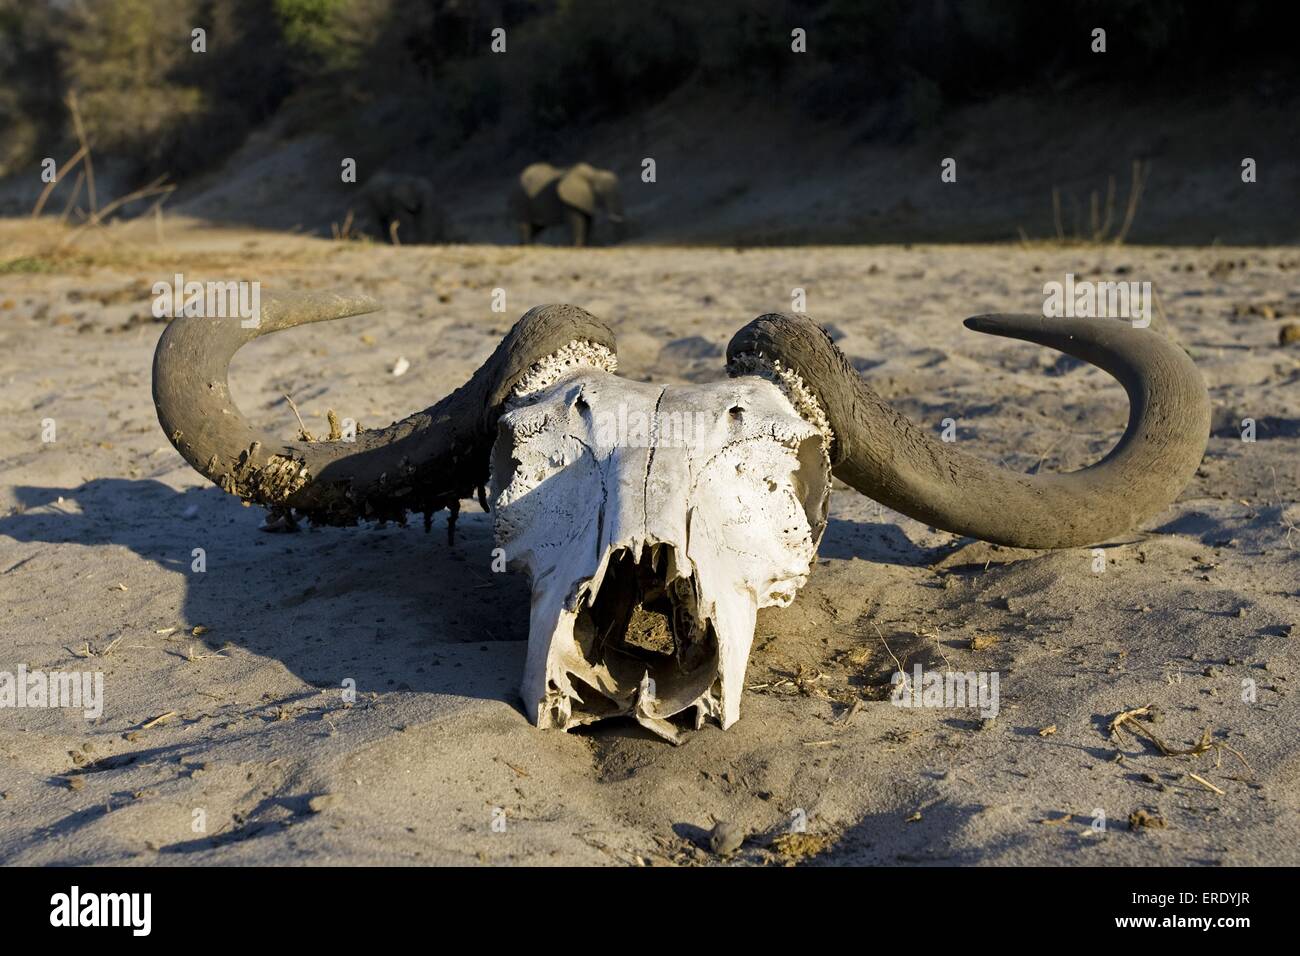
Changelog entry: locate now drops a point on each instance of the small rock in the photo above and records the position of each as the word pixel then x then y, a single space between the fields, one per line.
pixel 726 838
pixel 1141 818
pixel 1289 334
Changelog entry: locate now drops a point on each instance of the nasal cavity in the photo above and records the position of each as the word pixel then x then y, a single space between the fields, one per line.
pixel 645 621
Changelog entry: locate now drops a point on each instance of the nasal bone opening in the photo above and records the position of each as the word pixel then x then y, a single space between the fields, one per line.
pixel 644 622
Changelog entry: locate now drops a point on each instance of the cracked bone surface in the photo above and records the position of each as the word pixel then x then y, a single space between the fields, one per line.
pixel 653 522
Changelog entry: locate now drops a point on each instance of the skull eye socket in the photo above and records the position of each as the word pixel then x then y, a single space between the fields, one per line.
pixel 736 411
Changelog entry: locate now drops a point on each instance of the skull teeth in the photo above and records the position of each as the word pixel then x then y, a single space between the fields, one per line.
pixel 645 647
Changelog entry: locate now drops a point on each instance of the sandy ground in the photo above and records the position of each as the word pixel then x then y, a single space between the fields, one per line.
pixel 262 761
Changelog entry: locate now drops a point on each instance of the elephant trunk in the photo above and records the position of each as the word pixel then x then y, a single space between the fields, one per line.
pixel 614 212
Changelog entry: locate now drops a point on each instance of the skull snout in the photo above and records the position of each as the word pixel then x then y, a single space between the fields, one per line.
pixel 642 626
pixel 654 523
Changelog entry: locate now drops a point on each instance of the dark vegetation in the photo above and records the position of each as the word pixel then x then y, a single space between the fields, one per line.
pixel 418 74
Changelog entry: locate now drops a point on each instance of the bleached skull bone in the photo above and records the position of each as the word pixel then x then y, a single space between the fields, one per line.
pixel 657 521
pixel 654 522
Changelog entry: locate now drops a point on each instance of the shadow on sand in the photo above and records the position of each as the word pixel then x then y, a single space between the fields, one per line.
pixel 374 603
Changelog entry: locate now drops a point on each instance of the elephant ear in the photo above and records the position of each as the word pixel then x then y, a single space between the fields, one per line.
pixel 605 183
pixel 575 189
pixel 537 177
pixel 407 194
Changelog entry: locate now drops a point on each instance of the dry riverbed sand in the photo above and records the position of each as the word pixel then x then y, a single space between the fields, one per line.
pixel 225 736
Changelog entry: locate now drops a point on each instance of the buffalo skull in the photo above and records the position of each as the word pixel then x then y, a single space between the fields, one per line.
pixel 655 521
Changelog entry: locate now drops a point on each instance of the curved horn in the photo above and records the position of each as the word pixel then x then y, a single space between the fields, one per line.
pixel 882 454
pixel 424 462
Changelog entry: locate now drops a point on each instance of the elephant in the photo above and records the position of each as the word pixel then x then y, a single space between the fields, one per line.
pixel 400 207
pixel 547 195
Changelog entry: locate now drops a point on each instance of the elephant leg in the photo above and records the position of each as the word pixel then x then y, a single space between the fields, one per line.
pixel 580 223
pixel 372 221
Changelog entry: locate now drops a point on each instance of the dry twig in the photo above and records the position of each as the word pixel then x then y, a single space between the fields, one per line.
pixel 1127 720
pixel 59 173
